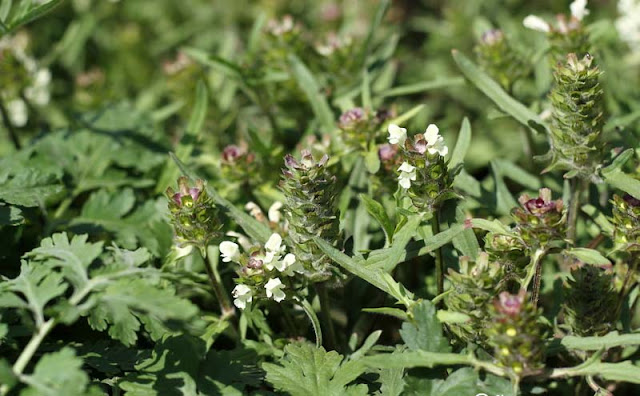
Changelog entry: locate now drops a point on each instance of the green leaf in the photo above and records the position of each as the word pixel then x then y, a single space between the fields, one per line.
pixel 34 13
pixel 410 359
pixel 588 256
pixel 73 257
pixel 466 242
pixel 58 373
pixel 424 331
pixel 146 225
pixel 377 277
pixel 494 91
pixel 623 371
pixel 423 87
pixel 599 218
pixel 462 145
pixel 306 370
pixel 37 285
pixel 395 312
pixel 10 215
pixel 466 381
pixel 611 340
pixel 392 382
pixel 388 258
pixel 28 187
pixel 312 90
pixel 402 118
pixel 623 182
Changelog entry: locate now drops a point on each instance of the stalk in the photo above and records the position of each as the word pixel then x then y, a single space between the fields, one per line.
pixel 625 283
pixel 325 308
pixel 7 123
pixel 218 288
pixel 435 226
pixel 535 275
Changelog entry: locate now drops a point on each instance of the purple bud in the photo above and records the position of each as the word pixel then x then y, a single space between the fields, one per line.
pixel 420 144
pixel 177 198
pixel 232 152
pixel 491 37
pixel 195 193
pixel 290 162
pixel 254 263
pixel 632 201
pixel 351 118
pixel 387 152
pixel 510 304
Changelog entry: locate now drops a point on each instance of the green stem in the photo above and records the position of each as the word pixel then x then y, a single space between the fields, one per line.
pixel 325 308
pixel 7 123
pixel 535 275
pixel 226 308
pixel 435 227
pixel 625 284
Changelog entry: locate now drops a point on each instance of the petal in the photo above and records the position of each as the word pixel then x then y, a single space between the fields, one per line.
pixel 274 242
pixel 431 134
pixel 274 212
pixel 536 23
pixel 406 167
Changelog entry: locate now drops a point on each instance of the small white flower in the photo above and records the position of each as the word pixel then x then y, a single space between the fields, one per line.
pixel 18 112
pixel 183 251
pixel 254 210
pixel 229 251
pixel 579 9
pixel 536 23
pixel 288 265
pixel 435 142
pixel 397 135
pixel 274 289
pixel 274 212
pixel 273 250
pixel 407 174
pixel 242 295
pixel 38 93
pixel 242 240
pixel 628 23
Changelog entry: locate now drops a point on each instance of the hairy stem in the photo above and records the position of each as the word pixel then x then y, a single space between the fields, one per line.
pixel 535 274
pixel 625 284
pixel 226 307
pixel 435 227
pixel 325 307
pixel 10 128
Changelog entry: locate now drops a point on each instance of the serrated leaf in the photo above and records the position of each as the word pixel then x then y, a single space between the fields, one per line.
pixel 10 215
pixel 595 343
pixel 28 187
pixel 307 370
pixel 424 331
pixel 57 373
pixel 73 257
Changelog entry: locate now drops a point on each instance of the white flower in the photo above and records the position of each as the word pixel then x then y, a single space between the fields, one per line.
pixel 229 251
pixel 435 142
pixel 274 212
pixel 38 93
pixel 397 135
pixel 273 250
pixel 242 295
pixel 18 112
pixel 628 24
pixel 407 174
pixel 536 23
pixel 242 240
pixel 254 210
pixel 274 289
pixel 579 9
pixel 288 265
pixel 183 251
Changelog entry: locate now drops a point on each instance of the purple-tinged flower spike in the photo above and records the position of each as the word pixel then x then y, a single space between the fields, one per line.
pixel 516 335
pixel 540 220
pixel 193 214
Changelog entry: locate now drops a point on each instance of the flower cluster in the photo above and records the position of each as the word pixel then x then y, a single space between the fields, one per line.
pixel 474 287
pixel 515 334
pixel 424 173
pixel 577 118
pixel 539 220
pixel 193 214
pixel 311 211
pixel 21 79
pixel 260 270
pixel 238 163
pixel 590 299
pixel 499 58
pixel 567 35
pixel 360 126
pixel 626 220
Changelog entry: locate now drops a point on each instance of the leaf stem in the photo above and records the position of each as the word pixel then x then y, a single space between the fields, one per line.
pixel 435 227
pixel 325 308
pixel 10 128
